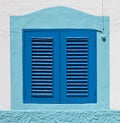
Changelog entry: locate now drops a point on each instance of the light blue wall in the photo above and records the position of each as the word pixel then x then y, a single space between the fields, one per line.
pixel 59 18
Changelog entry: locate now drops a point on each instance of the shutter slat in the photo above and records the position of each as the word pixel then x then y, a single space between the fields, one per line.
pixel 76 84
pixel 77 80
pixel 41 74
pixel 41 77
pixel 76 42
pixel 42 67
pixel 76 67
pixel 41 71
pixel 75 49
pixel 42 60
pixel 41 43
pixel 77 57
pixel 76 87
pixel 41 50
pixel 41 87
pixel 83 39
pixel 38 84
pixel 41 81
pixel 43 53
pixel 77 91
pixel 77 94
pixel 42 95
pixel 76 53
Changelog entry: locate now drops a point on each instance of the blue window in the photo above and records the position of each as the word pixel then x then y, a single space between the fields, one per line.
pixel 59 66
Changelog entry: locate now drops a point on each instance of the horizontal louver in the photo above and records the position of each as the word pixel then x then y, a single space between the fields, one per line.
pixel 77 67
pixel 42 67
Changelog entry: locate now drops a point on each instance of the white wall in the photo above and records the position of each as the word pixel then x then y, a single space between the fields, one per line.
pixel 20 7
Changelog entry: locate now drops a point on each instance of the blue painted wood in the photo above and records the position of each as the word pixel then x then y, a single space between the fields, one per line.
pixel 73 77
pixel 78 70
pixel 41 66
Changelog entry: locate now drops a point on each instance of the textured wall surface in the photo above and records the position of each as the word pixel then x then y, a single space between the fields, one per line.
pixel 59 117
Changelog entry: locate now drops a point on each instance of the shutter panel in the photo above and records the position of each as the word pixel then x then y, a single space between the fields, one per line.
pixel 41 80
pixel 78 72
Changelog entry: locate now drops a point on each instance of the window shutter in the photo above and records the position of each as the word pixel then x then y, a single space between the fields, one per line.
pixel 41 69
pixel 59 66
pixel 78 70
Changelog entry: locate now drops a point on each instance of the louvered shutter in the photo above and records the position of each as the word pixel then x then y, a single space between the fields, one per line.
pixel 41 66
pixel 78 66
pixel 59 66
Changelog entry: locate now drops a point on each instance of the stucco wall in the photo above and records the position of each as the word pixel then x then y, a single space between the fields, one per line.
pixel 20 7
pixel 59 117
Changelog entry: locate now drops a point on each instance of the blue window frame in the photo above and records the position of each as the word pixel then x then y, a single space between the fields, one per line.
pixel 59 66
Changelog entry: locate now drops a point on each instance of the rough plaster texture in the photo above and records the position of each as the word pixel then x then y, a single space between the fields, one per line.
pixel 59 117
